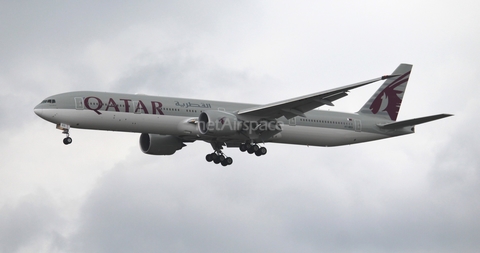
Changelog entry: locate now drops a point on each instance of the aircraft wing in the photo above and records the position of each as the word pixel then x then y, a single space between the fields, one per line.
pixel 298 106
pixel 413 122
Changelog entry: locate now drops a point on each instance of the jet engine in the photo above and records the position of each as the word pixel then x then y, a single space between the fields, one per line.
pixel 218 123
pixel 156 144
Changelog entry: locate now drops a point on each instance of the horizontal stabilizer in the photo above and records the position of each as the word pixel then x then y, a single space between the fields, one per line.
pixel 413 122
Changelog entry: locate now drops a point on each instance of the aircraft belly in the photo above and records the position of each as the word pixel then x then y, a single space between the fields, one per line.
pixel 318 136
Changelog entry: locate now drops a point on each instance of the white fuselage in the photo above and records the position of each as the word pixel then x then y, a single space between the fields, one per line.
pixel 177 117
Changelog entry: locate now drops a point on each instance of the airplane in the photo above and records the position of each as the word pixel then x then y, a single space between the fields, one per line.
pixel 165 124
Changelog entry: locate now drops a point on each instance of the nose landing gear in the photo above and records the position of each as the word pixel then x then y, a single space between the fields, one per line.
pixel 67 140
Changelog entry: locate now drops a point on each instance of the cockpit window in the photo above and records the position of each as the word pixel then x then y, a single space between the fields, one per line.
pixel 49 101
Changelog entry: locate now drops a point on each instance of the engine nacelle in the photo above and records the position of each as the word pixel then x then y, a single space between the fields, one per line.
pixel 218 123
pixel 156 144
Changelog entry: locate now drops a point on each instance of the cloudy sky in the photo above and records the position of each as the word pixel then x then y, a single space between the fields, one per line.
pixel 416 193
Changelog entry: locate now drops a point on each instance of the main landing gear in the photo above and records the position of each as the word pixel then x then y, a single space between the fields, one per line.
pixel 219 157
pixel 253 149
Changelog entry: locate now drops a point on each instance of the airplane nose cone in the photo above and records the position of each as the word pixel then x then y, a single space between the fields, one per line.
pixel 38 111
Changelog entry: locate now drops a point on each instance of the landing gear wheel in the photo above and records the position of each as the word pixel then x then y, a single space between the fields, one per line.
pixel 253 149
pixel 227 161
pixel 67 140
pixel 218 159
pixel 243 147
pixel 214 156
pixel 209 158
pixel 261 151
pixel 221 158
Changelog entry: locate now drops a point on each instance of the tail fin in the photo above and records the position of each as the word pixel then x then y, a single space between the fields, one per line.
pixel 386 101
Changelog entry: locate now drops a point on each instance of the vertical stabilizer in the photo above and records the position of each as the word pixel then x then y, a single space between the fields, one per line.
pixel 386 101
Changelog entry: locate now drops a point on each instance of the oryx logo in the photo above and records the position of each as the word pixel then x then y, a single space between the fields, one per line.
pixel 222 120
pixel 390 99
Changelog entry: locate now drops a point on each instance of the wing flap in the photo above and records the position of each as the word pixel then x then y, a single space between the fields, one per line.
pixel 413 122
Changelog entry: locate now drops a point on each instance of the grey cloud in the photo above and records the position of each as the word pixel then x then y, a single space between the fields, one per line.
pixel 171 74
pixel 184 214
pixel 30 223
pixel 48 26
pixel 458 164
pixel 21 105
